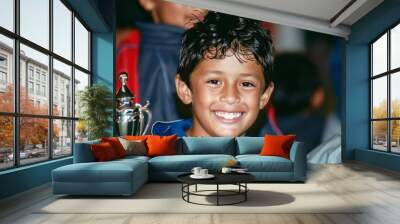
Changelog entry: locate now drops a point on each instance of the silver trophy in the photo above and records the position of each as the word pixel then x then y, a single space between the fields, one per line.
pixel 131 116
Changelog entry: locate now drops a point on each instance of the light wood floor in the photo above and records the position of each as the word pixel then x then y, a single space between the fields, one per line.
pixel 378 188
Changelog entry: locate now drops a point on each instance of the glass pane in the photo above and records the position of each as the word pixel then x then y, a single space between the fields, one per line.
pixel 34 92
pixel 395 94
pixel 6 142
pixel 6 74
pixel 379 135
pixel 395 136
pixel 62 141
pixel 62 29
pixel 62 89
pixel 33 140
pixel 379 55
pixel 35 21
pixel 379 97
pixel 395 47
pixel 81 81
pixel 81 45
pixel 81 131
pixel 7 14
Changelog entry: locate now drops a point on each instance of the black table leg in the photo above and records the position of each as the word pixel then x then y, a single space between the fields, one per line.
pixel 245 193
pixel 217 194
pixel 188 189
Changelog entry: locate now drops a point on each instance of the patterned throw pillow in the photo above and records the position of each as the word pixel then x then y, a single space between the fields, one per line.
pixel 133 147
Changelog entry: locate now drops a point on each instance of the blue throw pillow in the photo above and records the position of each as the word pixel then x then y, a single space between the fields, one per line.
pixel 249 145
pixel 206 145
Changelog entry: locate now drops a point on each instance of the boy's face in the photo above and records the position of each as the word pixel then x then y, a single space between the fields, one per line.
pixel 226 96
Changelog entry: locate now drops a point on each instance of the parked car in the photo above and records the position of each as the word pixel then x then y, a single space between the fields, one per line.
pixel 22 155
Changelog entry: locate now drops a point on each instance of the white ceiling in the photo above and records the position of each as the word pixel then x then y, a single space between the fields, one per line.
pixel 321 9
pixel 324 16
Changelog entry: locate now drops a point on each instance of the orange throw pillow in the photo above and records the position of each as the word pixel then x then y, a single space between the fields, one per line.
pixel 277 145
pixel 116 145
pixel 136 137
pixel 103 152
pixel 161 145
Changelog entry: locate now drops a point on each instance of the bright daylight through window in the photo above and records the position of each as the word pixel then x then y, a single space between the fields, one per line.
pixel 385 91
pixel 44 64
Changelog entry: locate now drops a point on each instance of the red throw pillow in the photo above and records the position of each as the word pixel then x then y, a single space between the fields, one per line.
pixel 103 152
pixel 277 145
pixel 116 145
pixel 161 145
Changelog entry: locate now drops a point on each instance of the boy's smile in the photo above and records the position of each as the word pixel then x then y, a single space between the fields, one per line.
pixel 226 96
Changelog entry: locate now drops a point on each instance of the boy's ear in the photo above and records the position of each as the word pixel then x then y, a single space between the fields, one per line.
pixel 183 91
pixel 148 5
pixel 266 95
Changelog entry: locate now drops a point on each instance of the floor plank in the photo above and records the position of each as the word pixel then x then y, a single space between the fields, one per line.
pixel 377 190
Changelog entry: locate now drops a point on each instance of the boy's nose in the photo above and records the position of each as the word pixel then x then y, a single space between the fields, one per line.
pixel 230 95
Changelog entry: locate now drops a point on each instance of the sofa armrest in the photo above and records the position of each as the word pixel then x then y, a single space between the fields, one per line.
pixel 298 157
pixel 83 152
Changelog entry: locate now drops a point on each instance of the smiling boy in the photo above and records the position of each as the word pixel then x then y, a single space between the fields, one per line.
pixel 224 73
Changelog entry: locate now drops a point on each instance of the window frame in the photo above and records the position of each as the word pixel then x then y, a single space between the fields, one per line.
pixel 16 115
pixel 388 74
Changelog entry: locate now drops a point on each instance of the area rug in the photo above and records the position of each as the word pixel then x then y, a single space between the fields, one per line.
pixel 166 198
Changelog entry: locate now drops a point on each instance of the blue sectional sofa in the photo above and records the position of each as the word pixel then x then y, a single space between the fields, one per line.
pixel 125 176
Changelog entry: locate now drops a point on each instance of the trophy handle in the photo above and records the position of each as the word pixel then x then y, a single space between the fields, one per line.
pixel 149 117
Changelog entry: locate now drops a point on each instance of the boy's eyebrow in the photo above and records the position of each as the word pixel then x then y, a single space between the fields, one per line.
pixel 218 72
pixel 247 74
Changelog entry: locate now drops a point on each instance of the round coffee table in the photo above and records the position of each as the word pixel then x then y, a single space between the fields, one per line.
pixel 238 179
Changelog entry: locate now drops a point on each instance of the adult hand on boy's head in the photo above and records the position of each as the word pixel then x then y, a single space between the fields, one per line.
pixel 169 13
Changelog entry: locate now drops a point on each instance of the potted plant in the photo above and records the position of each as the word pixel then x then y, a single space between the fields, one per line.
pixel 96 102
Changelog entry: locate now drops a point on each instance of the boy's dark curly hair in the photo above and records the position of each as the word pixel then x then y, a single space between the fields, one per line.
pixel 219 35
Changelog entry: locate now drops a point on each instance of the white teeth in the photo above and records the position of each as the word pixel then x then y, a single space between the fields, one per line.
pixel 228 115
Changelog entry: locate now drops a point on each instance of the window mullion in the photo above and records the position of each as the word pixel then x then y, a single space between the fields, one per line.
pixel 73 123
pixel 50 81
pixel 371 89
pixel 16 69
pixel 389 106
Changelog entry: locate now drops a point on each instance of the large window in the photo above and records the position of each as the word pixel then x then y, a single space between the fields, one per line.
pixel 385 91
pixel 44 64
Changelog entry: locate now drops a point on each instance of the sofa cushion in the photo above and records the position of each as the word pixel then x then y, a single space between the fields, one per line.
pixel 185 163
pixel 249 145
pixel 206 145
pixel 111 171
pixel 83 152
pixel 130 158
pixel 257 163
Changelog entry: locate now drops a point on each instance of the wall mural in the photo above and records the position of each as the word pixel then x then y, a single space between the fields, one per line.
pixel 193 72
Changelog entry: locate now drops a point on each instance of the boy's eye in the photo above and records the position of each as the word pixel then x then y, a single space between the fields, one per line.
pixel 213 82
pixel 248 84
